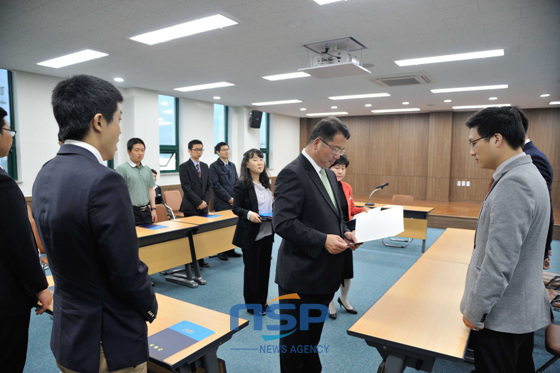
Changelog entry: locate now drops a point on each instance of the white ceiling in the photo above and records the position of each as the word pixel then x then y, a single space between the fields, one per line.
pixel 269 40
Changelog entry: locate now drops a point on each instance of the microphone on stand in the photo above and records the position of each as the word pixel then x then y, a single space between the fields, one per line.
pixel 379 187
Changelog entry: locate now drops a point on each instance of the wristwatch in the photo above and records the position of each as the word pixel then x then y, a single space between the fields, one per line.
pixel 153 208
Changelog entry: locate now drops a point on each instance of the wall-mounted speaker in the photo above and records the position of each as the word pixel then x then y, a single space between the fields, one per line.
pixel 255 119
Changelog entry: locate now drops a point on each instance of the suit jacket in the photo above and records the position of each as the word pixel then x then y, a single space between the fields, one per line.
pixel 504 289
pixel 245 200
pixel 543 165
pixel 303 215
pixel 102 289
pixel 195 189
pixel 223 181
pixel 21 275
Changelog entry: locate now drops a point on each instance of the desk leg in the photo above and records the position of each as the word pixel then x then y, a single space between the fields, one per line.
pixel 197 277
pixel 393 364
pixel 210 361
pixel 423 246
pixel 186 279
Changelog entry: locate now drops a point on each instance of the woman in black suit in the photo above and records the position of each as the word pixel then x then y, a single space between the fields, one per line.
pixel 253 198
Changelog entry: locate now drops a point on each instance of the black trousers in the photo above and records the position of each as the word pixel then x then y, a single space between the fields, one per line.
pixel 257 271
pixel 13 333
pixel 142 217
pixel 294 358
pixel 497 352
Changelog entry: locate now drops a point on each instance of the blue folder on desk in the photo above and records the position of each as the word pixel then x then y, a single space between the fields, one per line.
pixel 153 226
pixel 176 338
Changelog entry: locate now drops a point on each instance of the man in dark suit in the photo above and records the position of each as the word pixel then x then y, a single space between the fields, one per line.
pixel 22 279
pixel 543 165
pixel 83 210
pixel 223 175
pixel 196 184
pixel 308 217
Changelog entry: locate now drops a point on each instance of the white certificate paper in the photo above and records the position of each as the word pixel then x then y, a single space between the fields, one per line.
pixel 376 223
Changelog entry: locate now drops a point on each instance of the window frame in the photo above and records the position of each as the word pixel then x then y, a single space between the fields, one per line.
pixel 172 149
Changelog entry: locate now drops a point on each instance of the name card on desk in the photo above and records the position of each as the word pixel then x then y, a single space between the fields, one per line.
pixel 376 223
pixel 176 338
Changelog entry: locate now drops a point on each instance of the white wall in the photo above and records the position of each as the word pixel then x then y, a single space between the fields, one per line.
pixel 37 129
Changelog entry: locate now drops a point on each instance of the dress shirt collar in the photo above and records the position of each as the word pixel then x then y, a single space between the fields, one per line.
pixel 312 161
pixel 132 164
pixel 527 141
pixel 86 146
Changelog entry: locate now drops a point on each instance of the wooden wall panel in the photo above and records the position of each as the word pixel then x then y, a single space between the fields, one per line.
pixel 431 149
pixel 437 189
pixel 384 137
pixel 413 140
pixel 358 147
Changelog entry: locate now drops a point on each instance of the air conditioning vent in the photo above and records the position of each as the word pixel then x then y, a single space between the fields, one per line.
pixel 399 80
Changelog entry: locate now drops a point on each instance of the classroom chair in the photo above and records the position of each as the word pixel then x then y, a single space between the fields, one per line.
pixel 173 199
pixel 44 260
pixel 404 200
pixel 161 213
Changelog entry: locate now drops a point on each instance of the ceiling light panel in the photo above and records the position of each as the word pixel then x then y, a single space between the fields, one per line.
pixel 204 86
pixel 451 57
pixel 468 107
pixel 273 78
pixel 184 29
pixel 327 114
pixel 73 58
pixel 353 97
pixel 395 110
pixel 281 102
pixel 468 89
pixel 323 2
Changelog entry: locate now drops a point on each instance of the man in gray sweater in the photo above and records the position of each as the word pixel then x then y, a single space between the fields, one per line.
pixel 504 300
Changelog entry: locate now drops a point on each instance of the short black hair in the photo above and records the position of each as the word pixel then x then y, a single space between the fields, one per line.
pixel 328 128
pixel 219 145
pixel 78 99
pixel 342 160
pixel 524 120
pixel 154 171
pixel 502 120
pixel 193 143
pixel 133 141
pixel 3 114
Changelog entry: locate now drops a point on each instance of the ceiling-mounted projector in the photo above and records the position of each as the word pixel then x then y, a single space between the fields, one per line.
pixel 333 58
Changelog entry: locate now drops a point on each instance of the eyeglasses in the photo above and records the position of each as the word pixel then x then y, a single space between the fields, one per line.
pixel 12 132
pixel 472 143
pixel 197 150
pixel 336 150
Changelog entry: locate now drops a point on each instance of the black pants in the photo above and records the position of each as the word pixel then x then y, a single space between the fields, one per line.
pixel 257 271
pixel 142 217
pixel 13 333
pixel 497 352
pixel 293 357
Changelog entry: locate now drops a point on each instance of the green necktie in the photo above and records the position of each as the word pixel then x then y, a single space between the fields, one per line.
pixel 327 185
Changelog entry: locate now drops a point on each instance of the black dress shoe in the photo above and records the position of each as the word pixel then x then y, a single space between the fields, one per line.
pixel 349 310
pixel 202 263
pixel 332 316
pixel 222 256
pixel 233 254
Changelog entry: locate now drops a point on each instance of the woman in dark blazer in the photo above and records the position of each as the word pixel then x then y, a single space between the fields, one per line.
pixel 348 210
pixel 253 198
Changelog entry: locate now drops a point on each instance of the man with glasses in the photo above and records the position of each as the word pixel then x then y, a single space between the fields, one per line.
pixel 224 176
pixel 504 300
pixel 196 184
pixel 307 215
pixel 22 278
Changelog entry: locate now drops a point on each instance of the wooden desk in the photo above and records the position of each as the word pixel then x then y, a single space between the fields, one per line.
pixel 213 235
pixel 203 353
pixel 415 221
pixel 454 245
pixel 167 248
pixel 418 319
